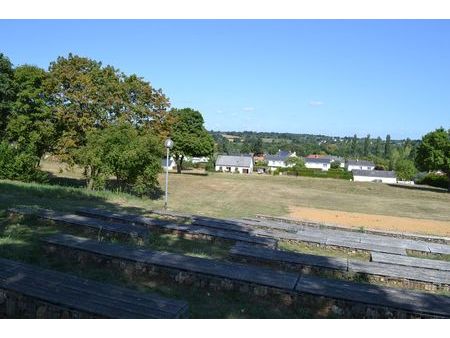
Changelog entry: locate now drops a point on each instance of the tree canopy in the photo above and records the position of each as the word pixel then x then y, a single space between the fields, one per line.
pixel 190 138
pixel 433 152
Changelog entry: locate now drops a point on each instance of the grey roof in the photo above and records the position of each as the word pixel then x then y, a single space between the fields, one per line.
pixel 317 160
pixel 374 173
pixel 234 161
pixel 280 156
pixel 360 162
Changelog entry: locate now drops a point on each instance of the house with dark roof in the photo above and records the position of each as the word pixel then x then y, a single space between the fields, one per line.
pixel 359 165
pixel 242 164
pixel 374 176
pixel 318 163
pixel 279 159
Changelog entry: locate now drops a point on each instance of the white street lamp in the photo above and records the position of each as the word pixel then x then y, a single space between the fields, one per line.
pixel 168 143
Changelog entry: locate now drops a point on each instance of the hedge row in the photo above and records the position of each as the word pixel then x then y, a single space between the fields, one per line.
pixel 331 173
pixel 434 180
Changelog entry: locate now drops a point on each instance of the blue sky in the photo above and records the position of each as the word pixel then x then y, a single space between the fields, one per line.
pixel 332 77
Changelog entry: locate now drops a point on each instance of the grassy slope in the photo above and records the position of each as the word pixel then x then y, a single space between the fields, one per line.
pixel 228 195
pixel 219 195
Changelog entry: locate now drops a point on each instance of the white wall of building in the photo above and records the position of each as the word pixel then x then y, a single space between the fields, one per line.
pixel 233 169
pixel 374 179
pixel 321 166
pixel 350 167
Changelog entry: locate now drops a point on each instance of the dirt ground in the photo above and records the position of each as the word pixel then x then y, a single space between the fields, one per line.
pixel 370 221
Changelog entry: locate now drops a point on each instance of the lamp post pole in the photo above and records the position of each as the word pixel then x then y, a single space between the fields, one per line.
pixel 168 144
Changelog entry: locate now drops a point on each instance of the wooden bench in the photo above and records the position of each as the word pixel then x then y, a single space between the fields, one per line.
pixel 300 223
pixel 286 257
pixel 203 266
pixel 411 242
pixel 28 291
pixel 355 295
pixel 99 226
pixel 392 298
pixel 440 279
pixel 189 229
pixel 410 261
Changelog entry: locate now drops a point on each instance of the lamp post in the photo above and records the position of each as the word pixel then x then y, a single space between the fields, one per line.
pixel 168 143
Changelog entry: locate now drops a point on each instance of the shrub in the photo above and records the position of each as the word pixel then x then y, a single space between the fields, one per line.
pixel 22 166
pixel 435 180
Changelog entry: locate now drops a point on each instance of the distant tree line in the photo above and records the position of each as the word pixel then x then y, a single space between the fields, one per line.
pixel 94 116
pixel 406 156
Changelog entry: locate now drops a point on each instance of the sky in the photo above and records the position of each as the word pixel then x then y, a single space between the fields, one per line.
pixel 331 77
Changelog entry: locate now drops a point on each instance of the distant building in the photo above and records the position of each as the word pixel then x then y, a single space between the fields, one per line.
pixel 279 160
pixel 232 138
pixel 374 176
pixel 172 163
pixel 194 160
pixel 318 163
pixel 242 164
pixel 322 162
pixel 359 165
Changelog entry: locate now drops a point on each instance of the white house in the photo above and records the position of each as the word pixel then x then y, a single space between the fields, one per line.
pixel 359 165
pixel 172 163
pixel 194 160
pixel 242 164
pixel 318 163
pixel 374 176
pixel 279 160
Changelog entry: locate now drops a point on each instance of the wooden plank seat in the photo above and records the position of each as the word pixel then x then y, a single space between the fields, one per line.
pixel 87 222
pixel 279 256
pixel 395 234
pixel 433 264
pixel 395 298
pixel 401 272
pixel 238 272
pixel 410 273
pixel 88 298
pixel 410 242
pixel 198 230
pixel 362 294
pixel 320 239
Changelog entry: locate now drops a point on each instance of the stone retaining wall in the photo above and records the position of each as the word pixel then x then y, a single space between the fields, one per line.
pixel 319 306
pixel 14 305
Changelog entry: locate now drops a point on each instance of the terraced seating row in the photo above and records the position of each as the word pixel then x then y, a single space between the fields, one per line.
pixel 290 283
pixel 410 261
pixel 29 291
pixel 331 236
pixel 401 272
pixel 86 222
pixel 196 230
pixel 336 237
pixel 404 235
pixel 320 239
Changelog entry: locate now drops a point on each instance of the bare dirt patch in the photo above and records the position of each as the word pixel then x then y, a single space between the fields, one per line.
pixel 371 221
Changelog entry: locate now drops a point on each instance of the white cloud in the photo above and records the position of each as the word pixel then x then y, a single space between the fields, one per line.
pixel 315 103
pixel 248 109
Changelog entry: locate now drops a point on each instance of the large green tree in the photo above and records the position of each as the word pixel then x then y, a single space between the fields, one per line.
pixel 7 91
pixel 189 136
pixel 30 125
pixel 85 95
pixel 433 153
pixel 387 147
pixel 131 154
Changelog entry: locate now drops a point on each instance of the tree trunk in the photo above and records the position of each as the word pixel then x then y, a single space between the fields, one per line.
pixel 180 164
pixel 90 180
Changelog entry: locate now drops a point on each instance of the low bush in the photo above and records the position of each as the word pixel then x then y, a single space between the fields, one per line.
pixel 435 180
pixel 21 166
